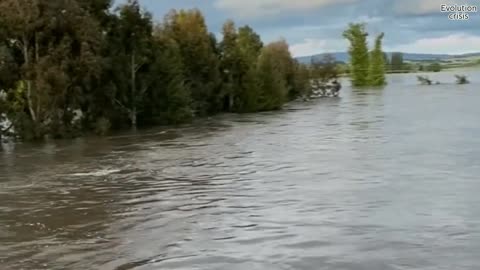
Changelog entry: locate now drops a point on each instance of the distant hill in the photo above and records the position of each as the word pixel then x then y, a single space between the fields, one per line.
pixel 344 57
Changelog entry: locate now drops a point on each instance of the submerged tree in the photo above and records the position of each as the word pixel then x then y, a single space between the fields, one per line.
pixel 272 81
pixel 324 69
pixel 229 63
pixel 134 50
pixel 396 62
pixel 74 66
pixel 359 56
pixel 424 80
pixel 199 58
pixel 377 64
pixel 462 79
pixel 169 100
pixel 249 47
pixel 57 43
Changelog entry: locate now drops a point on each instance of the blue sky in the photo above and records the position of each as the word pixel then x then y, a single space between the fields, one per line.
pixel 315 26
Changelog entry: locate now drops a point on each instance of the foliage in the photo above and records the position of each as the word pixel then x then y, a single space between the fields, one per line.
pixel 273 86
pixel 434 67
pixel 249 46
pixel 462 79
pixel 377 64
pixel 396 62
pixel 102 126
pixel 325 69
pixel 366 69
pixel 424 80
pixel 359 56
pixel 69 67
pixel 302 80
pixel 202 73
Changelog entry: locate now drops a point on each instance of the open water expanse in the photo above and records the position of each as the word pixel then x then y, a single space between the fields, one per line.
pixel 373 180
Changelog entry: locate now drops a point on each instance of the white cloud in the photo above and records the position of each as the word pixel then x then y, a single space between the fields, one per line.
pixel 258 8
pixel 423 7
pixel 311 46
pixel 451 44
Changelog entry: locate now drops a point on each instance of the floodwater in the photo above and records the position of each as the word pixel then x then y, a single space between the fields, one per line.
pixel 374 180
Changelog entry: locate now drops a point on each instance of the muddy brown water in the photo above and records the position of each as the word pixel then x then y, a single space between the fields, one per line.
pixel 376 179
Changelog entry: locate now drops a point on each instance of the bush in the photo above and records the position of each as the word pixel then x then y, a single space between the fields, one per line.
pixel 102 126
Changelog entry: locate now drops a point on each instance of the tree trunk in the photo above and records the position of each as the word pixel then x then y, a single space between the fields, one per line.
pixel 133 118
pixel 133 111
pixel 230 93
pixel 230 102
pixel 28 81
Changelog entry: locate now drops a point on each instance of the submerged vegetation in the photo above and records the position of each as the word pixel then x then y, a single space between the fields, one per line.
pixel 69 67
pixel 366 68
pixel 461 79
pixel 424 80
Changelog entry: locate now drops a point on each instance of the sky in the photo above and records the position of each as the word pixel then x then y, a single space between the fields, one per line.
pixel 316 26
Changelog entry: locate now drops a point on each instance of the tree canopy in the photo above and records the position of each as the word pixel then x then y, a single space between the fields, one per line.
pixel 70 67
pixel 367 68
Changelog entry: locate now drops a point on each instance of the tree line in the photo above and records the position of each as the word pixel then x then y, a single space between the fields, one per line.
pixel 69 67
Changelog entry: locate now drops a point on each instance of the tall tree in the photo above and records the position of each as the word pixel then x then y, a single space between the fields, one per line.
pixel 377 64
pixel 135 41
pixel 188 29
pixel 272 77
pixel 57 42
pixel 396 62
pixel 230 63
pixel 302 79
pixel 20 19
pixel 359 55
pixel 249 46
pixel 169 101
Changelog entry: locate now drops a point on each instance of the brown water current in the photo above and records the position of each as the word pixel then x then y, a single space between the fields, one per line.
pixel 373 180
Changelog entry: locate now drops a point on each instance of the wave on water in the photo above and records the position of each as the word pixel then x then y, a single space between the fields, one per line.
pixel 97 173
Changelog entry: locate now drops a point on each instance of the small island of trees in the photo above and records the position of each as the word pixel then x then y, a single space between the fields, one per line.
pixel 366 68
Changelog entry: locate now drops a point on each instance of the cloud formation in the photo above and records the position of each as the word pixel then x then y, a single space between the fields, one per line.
pixel 450 44
pixel 261 8
pixel 316 26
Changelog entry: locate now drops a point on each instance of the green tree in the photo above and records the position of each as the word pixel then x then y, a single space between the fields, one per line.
pixel 57 41
pixel 272 80
pixel 377 64
pixel 359 55
pixel 435 67
pixel 302 79
pixel 325 69
pixel 249 46
pixel 397 61
pixel 134 34
pixel 285 64
pixel 230 63
pixel 169 101
pixel 202 74
pixel 19 19
pixel 72 66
